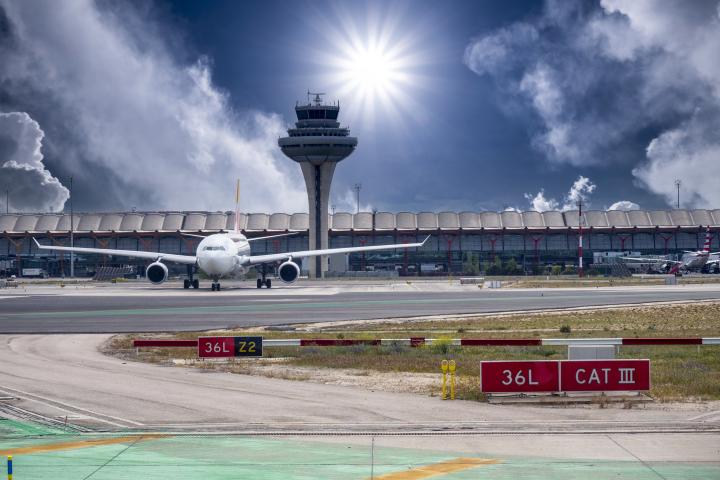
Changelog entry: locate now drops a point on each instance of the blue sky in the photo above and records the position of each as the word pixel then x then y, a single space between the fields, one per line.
pixel 523 105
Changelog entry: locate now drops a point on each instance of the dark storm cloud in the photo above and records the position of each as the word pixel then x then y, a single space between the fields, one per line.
pixel 134 125
pixel 597 77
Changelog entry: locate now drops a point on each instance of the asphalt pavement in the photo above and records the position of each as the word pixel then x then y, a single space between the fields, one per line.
pixel 143 308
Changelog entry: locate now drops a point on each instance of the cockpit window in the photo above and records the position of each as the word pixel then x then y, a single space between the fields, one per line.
pixel 211 248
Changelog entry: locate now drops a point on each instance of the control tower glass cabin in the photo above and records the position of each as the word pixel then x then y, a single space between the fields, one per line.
pixel 318 143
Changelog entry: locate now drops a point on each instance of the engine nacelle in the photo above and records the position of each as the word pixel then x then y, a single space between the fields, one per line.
pixel 157 273
pixel 289 272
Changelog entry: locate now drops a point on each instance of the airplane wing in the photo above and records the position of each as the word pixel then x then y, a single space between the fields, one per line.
pixel 271 236
pixel 278 257
pixel 648 260
pixel 186 259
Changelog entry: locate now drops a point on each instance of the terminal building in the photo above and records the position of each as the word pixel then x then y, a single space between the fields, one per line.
pixel 530 240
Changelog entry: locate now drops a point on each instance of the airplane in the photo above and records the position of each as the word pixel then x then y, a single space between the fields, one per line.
pixel 227 254
pixel 690 261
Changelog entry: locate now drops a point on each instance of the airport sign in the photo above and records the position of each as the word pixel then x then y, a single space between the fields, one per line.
pixel 224 347
pixel 519 376
pixel 549 376
pixel 604 375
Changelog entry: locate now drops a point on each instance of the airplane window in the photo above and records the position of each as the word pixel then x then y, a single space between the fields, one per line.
pixel 209 248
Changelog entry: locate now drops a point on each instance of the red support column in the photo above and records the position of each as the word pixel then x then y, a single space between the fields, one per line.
pixel 449 239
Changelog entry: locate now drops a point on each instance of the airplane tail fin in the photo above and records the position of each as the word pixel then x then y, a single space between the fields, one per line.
pixel 236 229
pixel 708 238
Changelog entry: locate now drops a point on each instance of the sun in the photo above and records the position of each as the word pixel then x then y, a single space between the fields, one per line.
pixel 371 71
pixel 374 65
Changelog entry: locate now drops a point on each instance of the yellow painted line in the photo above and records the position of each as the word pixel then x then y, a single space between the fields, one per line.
pixel 436 469
pixel 53 447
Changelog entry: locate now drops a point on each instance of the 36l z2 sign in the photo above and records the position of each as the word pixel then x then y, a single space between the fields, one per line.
pixel 218 347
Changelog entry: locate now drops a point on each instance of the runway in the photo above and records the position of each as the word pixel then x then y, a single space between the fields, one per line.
pixel 144 308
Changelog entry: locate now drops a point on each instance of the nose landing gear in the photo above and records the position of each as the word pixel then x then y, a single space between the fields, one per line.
pixel 216 286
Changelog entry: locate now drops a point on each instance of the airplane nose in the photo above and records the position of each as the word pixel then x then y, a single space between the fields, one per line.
pixel 215 265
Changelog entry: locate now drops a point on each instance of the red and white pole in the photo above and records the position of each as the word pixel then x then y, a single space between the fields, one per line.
pixel 580 240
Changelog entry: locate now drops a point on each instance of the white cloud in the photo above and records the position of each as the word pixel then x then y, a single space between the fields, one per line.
pixel 23 176
pixel 624 205
pixel 157 129
pixel 690 153
pixel 347 202
pixel 539 203
pixel 581 189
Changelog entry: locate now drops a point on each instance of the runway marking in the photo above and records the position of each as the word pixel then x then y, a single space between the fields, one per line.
pixel 54 447
pixel 32 397
pixel 190 310
pixel 436 469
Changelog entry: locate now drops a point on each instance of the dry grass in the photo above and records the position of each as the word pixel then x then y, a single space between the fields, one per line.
pixel 678 372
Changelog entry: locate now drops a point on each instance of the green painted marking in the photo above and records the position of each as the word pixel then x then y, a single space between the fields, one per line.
pixel 265 458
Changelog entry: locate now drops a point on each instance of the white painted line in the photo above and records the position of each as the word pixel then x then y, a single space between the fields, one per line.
pixel 68 408
pixel 704 415
pixel 582 341
pixel 292 342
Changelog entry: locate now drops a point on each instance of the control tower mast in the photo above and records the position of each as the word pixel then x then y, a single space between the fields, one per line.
pixel 318 143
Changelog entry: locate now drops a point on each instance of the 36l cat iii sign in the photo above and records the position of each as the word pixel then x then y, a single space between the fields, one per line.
pixel 564 376
pixel 218 347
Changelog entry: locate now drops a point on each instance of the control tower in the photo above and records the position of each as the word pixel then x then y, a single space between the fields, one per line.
pixel 318 143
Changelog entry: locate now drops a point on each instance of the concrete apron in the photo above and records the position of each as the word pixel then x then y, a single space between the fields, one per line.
pixel 41 453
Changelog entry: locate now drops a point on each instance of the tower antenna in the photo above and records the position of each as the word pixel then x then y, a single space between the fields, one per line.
pixel 318 97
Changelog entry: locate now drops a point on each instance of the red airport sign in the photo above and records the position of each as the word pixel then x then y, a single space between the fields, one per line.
pixel 564 376
pixel 604 375
pixel 520 376
pixel 220 347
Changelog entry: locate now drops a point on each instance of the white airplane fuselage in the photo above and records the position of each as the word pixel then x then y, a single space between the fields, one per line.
pixel 694 261
pixel 222 255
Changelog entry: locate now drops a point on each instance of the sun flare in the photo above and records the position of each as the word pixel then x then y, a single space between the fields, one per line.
pixel 376 67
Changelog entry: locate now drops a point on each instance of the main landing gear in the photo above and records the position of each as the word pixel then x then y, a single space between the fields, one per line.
pixel 190 281
pixel 263 281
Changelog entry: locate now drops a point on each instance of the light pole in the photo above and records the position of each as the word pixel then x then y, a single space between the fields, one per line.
pixel 357 188
pixel 72 231
pixel 580 240
pixel 7 201
pixel 677 185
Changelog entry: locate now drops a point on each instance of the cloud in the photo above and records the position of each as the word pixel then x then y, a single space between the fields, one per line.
pixel 23 176
pixel 539 203
pixel 581 189
pixel 624 205
pixel 133 123
pixel 689 153
pixel 347 202
pixel 621 82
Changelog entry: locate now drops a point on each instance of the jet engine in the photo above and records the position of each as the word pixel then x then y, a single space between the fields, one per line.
pixel 157 273
pixel 289 271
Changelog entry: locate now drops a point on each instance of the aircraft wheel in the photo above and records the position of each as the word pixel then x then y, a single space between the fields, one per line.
pixel 213 287
pixel 268 283
pixel 186 284
pixel 259 283
pixel 196 284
